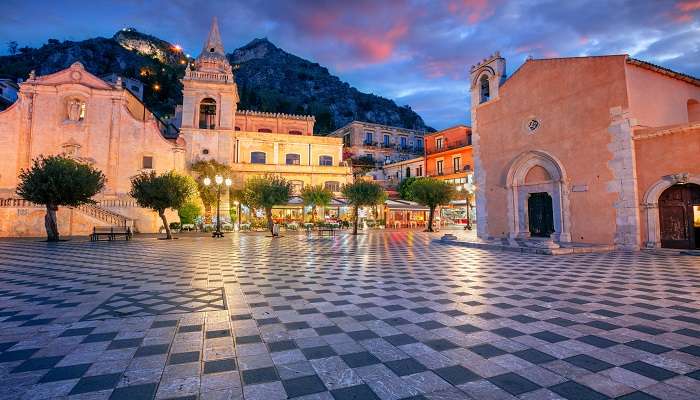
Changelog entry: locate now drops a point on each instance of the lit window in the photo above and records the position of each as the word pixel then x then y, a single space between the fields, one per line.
pixel 438 143
pixel 333 186
pixel 257 157
pixel 438 165
pixel 325 160
pixel 293 159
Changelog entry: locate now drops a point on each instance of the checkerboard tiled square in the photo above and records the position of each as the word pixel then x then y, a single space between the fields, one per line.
pixel 382 316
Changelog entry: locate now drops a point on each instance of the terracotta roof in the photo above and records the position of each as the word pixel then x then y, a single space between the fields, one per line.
pixel 662 70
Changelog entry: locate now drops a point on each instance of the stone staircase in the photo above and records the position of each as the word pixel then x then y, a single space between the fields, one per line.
pixel 95 211
pixel 109 217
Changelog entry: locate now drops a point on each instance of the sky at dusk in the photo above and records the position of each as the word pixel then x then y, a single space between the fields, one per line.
pixel 416 52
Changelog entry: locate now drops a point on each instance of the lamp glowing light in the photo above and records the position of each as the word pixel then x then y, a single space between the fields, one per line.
pixel 228 181
pixel 206 181
pixel 219 179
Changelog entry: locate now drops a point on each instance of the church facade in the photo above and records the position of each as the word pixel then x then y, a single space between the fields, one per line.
pixel 75 113
pixel 587 149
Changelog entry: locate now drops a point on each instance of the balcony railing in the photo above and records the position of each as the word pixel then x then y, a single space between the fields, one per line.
pixel 447 146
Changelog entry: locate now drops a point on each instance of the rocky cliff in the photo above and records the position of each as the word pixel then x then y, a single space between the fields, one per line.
pixel 269 78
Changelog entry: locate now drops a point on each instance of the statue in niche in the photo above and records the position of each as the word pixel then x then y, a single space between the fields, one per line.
pixel 74 110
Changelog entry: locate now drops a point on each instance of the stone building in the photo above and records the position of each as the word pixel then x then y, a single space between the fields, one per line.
pixel 587 149
pixel 251 142
pixel 391 174
pixel 78 114
pixel 379 144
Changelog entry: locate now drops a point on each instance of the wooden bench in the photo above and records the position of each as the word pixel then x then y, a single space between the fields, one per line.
pixel 330 231
pixel 111 232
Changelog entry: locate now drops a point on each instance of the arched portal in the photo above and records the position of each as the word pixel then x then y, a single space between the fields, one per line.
pixel 538 199
pixel 672 208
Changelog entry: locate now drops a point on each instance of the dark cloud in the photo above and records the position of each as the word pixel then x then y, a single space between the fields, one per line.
pixel 416 52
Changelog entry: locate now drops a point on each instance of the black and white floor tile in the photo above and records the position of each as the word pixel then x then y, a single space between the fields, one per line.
pixel 388 315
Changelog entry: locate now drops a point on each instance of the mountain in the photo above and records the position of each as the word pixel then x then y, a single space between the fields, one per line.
pixel 269 79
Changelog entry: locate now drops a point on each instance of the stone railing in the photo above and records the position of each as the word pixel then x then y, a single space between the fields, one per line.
pixel 90 210
pixel 14 202
pixel 117 203
pixel 103 215
pixel 209 76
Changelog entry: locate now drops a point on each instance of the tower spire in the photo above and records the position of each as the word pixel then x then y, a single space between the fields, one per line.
pixel 213 43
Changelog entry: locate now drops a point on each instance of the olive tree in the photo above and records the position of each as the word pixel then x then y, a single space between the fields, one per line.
pixel 160 192
pixel 266 192
pixel 360 194
pixel 315 196
pixel 56 181
pixel 431 193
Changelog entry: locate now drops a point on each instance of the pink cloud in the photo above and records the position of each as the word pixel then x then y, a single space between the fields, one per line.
pixel 474 10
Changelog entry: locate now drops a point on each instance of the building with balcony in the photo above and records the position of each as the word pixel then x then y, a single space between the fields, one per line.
pixel 379 144
pixel 448 154
pixel 390 175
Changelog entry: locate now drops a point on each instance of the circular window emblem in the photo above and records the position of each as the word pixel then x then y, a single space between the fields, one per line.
pixel 531 125
pixel 76 76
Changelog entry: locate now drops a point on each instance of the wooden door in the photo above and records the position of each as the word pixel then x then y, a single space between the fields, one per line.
pixel 540 214
pixel 676 216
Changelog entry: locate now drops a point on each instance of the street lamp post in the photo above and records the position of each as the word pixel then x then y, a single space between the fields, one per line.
pixel 238 214
pixel 219 180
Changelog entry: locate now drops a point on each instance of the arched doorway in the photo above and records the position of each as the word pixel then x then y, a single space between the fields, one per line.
pixel 538 198
pixel 679 216
pixel 540 214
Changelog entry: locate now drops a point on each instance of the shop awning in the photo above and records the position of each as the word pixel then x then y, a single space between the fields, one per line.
pixel 404 205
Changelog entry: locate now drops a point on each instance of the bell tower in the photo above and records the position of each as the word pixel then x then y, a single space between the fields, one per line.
pixel 486 78
pixel 210 94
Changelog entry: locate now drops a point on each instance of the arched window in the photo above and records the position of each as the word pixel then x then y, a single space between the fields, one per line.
pixel 265 130
pixel 207 114
pixel 333 186
pixel 257 157
pixel 295 133
pixel 293 159
pixel 325 160
pixel 693 110
pixel 484 90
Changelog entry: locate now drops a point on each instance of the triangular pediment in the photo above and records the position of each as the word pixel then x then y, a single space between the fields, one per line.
pixel 75 74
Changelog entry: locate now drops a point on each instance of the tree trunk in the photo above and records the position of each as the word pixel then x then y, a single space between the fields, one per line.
pixel 313 214
pixel 50 223
pixel 270 225
pixel 168 234
pixel 355 214
pixel 430 219
pixel 207 214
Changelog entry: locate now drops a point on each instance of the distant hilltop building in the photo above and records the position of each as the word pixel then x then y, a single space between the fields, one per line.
pixel 104 123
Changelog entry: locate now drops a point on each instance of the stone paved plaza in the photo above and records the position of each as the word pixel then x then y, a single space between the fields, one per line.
pixel 388 315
